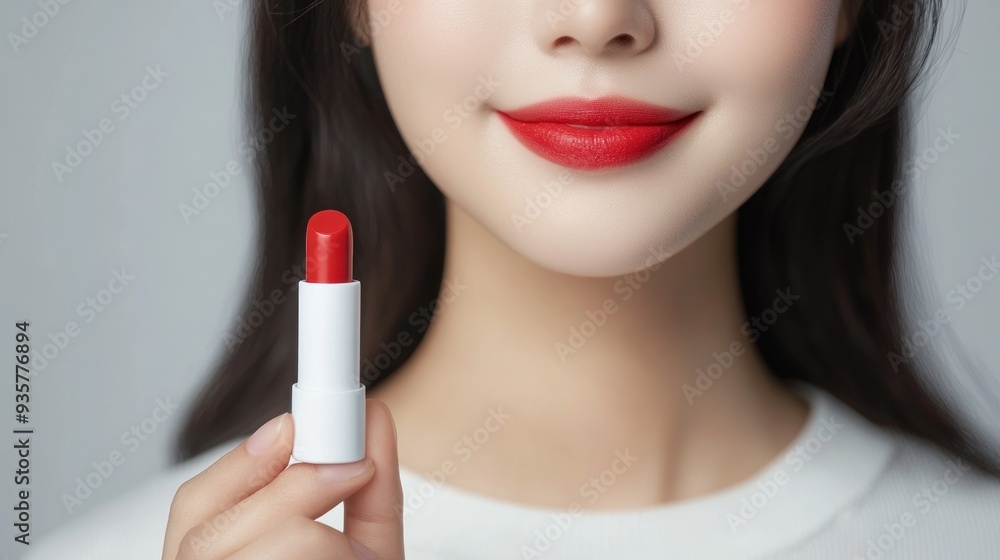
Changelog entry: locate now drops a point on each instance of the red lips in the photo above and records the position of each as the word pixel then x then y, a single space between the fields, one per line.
pixel 595 134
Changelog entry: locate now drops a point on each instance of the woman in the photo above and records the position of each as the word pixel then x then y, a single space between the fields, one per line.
pixel 657 240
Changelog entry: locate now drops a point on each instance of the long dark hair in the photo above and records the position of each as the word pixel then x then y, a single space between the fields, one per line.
pixel 845 334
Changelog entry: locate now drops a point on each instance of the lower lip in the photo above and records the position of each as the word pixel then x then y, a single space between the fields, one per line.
pixel 596 147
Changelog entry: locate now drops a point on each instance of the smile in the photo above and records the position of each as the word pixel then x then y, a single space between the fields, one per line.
pixel 595 134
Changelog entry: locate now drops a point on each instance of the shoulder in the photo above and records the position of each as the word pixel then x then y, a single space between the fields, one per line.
pixel 134 522
pixel 925 503
pixel 944 491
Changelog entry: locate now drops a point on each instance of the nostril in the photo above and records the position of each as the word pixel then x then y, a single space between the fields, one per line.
pixel 623 40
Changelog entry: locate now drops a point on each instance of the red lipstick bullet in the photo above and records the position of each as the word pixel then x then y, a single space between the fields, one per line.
pixel 328 401
pixel 329 248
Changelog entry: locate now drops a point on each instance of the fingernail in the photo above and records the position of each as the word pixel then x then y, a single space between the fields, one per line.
pixel 340 473
pixel 361 550
pixel 265 436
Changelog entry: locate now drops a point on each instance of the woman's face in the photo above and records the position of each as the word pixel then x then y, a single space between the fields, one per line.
pixel 601 188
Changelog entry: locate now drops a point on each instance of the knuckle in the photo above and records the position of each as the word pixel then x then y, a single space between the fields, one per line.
pixel 306 531
pixel 192 546
pixel 181 498
pixel 377 515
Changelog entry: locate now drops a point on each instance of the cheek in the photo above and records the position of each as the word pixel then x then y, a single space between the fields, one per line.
pixel 758 47
pixel 423 32
pixel 429 55
pixel 435 62
pixel 763 64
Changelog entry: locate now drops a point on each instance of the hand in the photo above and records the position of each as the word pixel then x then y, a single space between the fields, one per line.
pixel 249 506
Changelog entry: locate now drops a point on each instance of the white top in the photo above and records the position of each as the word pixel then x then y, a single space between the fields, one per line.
pixel 844 489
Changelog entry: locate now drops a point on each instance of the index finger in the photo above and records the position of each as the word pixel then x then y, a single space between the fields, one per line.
pixel 235 476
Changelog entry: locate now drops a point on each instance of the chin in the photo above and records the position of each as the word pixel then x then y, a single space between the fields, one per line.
pixel 592 252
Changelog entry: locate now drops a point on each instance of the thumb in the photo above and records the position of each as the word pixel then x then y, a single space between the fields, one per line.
pixel 374 514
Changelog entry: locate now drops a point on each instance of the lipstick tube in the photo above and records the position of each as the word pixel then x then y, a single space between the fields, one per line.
pixel 328 401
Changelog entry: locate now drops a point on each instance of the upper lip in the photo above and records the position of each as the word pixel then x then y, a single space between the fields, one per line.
pixel 603 111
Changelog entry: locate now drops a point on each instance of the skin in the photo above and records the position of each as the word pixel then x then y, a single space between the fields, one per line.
pixel 656 238
pixel 248 505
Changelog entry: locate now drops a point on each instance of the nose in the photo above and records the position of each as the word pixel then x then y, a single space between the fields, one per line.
pixel 595 27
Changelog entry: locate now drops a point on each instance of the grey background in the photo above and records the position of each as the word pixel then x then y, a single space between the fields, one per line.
pixel 60 241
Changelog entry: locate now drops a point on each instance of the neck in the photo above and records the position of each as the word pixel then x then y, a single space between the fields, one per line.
pixel 563 375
